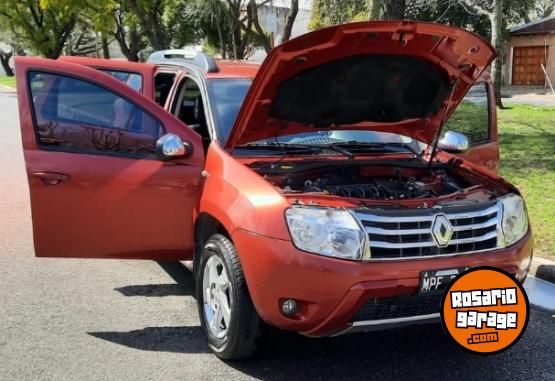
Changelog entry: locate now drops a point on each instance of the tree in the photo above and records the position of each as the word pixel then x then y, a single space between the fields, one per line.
pixel 498 13
pixel 541 9
pixel 14 47
pixel 333 12
pixel 229 27
pixel 394 9
pixel 126 32
pixel 375 9
pixel 252 21
pixel 5 62
pixel 165 23
pixel 41 26
pixel 233 27
pixel 115 20
pixel 82 42
pixel 289 21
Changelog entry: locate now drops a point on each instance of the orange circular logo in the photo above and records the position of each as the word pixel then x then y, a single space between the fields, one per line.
pixel 485 310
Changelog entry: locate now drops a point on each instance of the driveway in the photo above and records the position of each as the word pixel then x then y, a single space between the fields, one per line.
pixel 532 95
pixel 63 319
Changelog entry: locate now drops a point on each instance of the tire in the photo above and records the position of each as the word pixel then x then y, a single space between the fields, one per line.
pixel 234 338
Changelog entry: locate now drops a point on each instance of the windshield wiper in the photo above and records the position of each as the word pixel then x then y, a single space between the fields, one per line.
pixel 378 145
pixel 297 147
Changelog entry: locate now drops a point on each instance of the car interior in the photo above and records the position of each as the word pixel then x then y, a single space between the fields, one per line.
pixel 189 108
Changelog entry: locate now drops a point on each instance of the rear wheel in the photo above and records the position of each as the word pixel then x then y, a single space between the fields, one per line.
pixel 226 312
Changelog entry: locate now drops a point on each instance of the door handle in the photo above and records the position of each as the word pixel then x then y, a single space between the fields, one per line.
pixel 51 178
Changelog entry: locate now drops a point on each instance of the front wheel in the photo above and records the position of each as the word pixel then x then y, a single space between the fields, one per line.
pixel 226 312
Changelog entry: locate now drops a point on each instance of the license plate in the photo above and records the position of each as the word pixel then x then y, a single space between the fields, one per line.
pixel 432 280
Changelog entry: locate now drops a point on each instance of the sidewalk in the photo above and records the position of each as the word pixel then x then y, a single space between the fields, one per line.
pixel 540 293
pixel 544 269
pixel 532 95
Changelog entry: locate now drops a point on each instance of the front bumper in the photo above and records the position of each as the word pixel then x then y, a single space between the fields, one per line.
pixel 330 291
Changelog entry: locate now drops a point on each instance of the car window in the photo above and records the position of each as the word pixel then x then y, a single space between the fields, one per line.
pixel 226 98
pixel 472 115
pixel 163 83
pixel 188 106
pixel 133 80
pixel 78 116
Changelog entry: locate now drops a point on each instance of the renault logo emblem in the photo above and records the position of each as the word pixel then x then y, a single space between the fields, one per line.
pixel 442 231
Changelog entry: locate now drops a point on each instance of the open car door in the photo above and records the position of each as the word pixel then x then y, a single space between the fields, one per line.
pixel 476 117
pixel 98 188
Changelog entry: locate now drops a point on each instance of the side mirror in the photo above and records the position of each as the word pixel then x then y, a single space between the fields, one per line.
pixel 454 142
pixel 171 146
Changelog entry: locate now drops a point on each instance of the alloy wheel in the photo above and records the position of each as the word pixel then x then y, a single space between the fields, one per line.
pixel 217 297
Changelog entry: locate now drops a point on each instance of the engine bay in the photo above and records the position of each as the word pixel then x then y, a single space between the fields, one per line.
pixel 363 181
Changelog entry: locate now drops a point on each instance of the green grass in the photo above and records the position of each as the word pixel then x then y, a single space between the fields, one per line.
pixel 8 81
pixel 527 143
pixel 470 119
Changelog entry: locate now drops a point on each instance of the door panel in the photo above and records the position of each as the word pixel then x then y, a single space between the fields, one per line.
pixel 90 197
pixel 486 154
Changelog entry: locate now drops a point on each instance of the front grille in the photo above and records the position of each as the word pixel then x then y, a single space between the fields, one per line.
pixel 400 306
pixel 408 233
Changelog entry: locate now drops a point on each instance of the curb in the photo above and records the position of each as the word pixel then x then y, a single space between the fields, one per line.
pixel 542 268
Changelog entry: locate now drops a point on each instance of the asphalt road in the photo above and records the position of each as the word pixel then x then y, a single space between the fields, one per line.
pixel 63 319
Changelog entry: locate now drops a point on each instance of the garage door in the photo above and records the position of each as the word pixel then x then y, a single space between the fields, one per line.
pixel 527 63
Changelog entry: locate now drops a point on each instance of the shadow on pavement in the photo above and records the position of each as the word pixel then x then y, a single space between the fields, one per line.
pixel 154 290
pixel 420 352
pixel 183 285
pixel 159 339
pixel 179 274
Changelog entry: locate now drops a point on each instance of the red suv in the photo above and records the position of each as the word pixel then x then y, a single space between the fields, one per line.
pixel 329 190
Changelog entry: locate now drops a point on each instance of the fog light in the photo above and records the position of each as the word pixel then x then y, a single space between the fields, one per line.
pixel 289 307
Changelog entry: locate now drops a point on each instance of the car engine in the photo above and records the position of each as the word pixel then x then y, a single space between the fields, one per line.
pixel 363 182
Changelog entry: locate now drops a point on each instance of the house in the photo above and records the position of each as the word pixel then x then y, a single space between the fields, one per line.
pixel 529 47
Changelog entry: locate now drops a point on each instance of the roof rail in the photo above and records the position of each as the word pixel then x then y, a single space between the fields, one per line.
pixel 206 62
pixel 202 60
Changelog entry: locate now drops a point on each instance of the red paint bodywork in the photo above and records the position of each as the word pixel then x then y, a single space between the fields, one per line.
pixel 109 206
pixel 332 290
pixel 115 207
pixel 461 55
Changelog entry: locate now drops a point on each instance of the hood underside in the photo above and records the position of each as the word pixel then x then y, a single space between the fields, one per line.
pixel 396 77
pixel 384 89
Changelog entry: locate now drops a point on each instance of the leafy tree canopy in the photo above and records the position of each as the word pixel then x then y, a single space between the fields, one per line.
pixel 41 26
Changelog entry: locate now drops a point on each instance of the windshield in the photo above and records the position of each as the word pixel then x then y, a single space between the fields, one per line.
pixel 340 142
pixel 226 97
pixel 340 136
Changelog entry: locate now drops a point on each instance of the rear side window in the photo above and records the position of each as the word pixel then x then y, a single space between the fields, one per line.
pixel 75 115
pixel 472 116
pixel 133 80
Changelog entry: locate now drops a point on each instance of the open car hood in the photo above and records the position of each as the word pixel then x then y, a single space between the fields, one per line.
pixel 391 76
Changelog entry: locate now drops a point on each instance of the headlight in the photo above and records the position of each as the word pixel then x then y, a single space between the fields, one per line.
pixel 514 220
pixel 326 231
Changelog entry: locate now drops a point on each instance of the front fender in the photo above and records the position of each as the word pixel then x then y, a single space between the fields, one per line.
pixel 239 198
